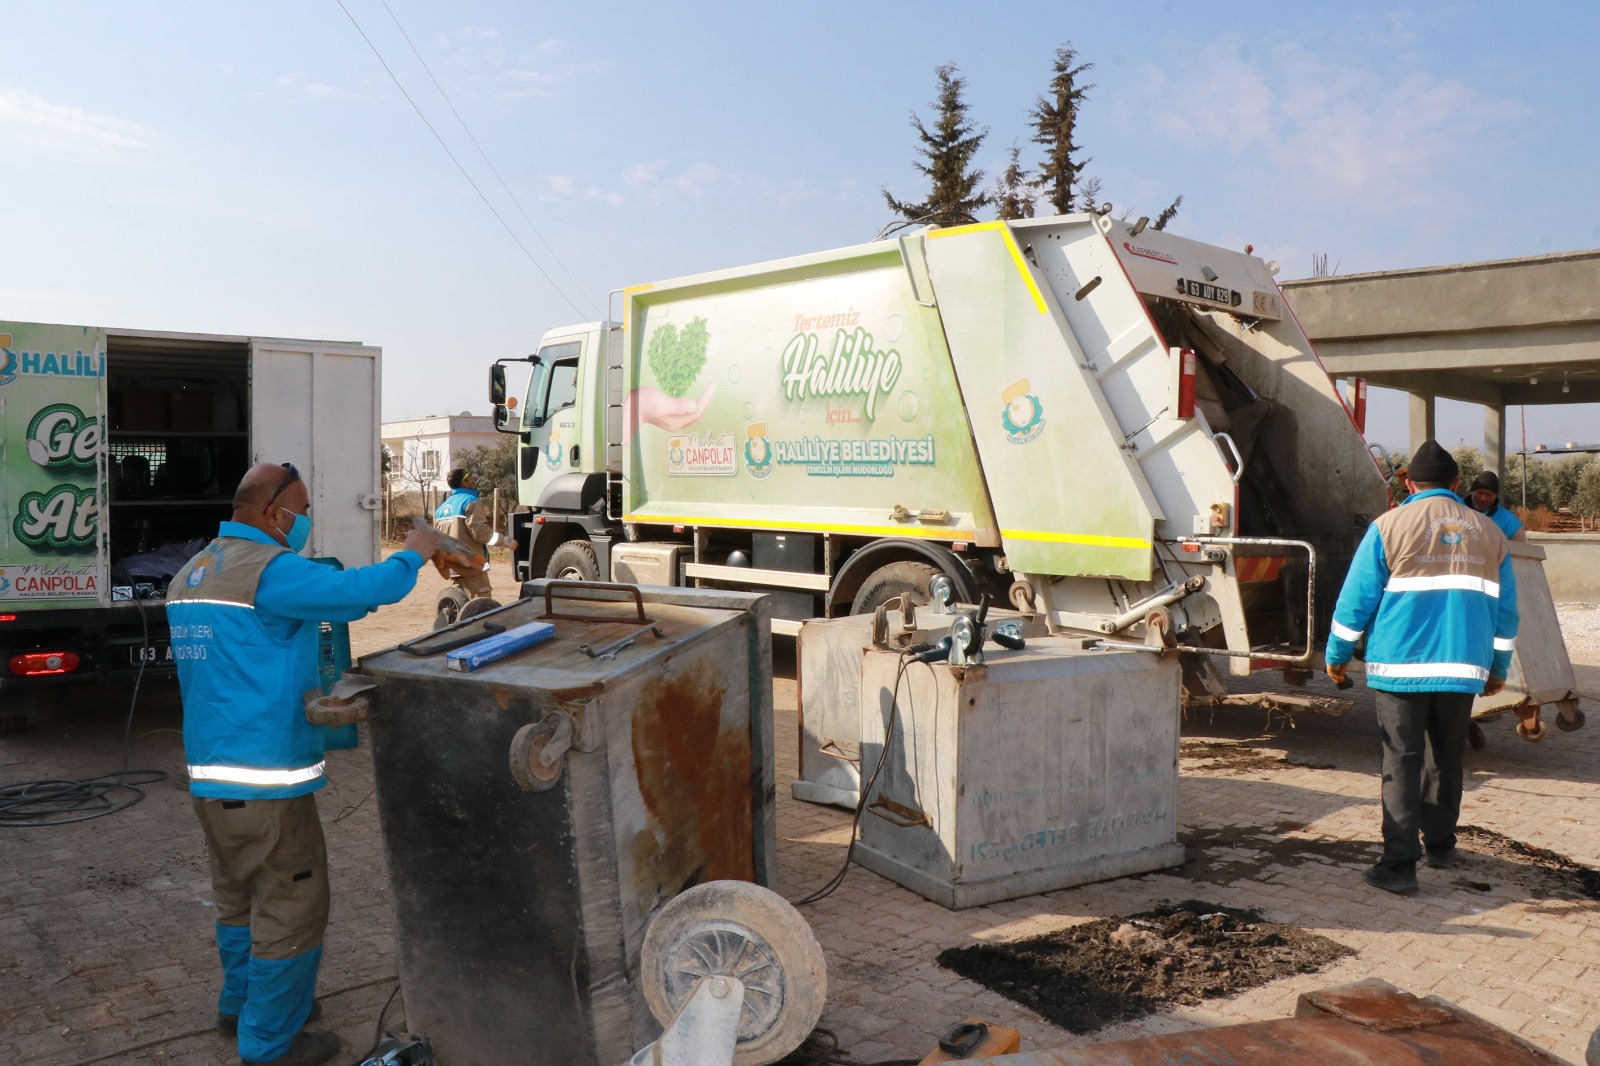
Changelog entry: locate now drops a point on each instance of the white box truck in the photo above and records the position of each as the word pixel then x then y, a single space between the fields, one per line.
pixel 120 450
pixel 1121 429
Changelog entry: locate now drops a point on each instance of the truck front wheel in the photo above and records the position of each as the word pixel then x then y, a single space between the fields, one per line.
pixel 895 579
pixel 574 560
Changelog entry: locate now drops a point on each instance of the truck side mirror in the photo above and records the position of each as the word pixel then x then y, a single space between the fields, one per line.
pixel 502 418
pixel 497 390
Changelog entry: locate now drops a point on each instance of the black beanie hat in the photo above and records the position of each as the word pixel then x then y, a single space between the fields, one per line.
pixel 1432 464
pixel 1487 480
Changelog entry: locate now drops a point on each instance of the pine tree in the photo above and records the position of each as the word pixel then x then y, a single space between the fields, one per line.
pixel 954 198
pixel 1167 215
pixel 1055 120
pixel 1011 189
pixel 1088 194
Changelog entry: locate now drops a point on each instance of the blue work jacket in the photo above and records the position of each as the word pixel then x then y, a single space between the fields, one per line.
pixel 244 617
pixel 1501 516
pixel 456 504
pixel 1432 585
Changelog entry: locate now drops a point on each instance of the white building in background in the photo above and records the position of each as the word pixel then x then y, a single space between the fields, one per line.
pixel 422 450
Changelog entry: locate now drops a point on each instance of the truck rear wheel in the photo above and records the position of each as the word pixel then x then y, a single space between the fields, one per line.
pixel 574 560
pixel 895 579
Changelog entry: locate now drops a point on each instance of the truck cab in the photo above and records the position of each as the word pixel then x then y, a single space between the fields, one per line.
pixel 561 473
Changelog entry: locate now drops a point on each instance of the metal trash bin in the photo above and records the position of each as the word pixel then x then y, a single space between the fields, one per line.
pixel 1540 672
pixel 829 653
pixel 643 767
pixel 1043 768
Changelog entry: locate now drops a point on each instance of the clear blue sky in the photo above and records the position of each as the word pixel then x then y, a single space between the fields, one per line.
pixel 250 168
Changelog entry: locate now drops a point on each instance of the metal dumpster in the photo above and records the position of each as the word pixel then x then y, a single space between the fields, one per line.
pixel 1541 672
pixel 640 734
pixel 1046 767
pixel 829 654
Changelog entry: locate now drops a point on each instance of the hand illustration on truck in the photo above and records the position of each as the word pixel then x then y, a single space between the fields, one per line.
pixel 675 359
pixel 648 405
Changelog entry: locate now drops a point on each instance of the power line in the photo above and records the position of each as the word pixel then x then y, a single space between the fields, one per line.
pixel 512 233
pixel 493 169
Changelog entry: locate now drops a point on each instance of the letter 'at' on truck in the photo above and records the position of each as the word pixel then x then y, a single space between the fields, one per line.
pixel 1121 430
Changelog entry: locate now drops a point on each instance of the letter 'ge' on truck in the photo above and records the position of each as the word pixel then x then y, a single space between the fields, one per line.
pixel 1121 429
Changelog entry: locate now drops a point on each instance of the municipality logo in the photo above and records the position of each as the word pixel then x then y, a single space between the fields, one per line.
pixel 1452 535
pixel 8 360
pixel 757 450
pixel 1023 414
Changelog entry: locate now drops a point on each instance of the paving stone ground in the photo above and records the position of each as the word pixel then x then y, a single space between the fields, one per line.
pixel 105 926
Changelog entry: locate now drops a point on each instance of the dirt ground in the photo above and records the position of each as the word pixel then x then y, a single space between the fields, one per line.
pixel 1119 969
pixel 106 952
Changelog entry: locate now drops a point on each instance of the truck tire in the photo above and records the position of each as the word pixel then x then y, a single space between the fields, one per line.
pixel 574 560
pixel 894 579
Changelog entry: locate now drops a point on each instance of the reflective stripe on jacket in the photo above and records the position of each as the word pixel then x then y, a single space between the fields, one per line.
pixel 1432 585
pixel 244 616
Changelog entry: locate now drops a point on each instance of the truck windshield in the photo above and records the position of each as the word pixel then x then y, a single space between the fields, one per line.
pixel 554 383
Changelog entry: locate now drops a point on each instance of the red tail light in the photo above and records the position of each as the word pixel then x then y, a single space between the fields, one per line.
pixel 1186 383
pixel 8 618
pixel 39 663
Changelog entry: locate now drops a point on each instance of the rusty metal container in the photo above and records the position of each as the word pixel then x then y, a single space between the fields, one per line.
pixel 1368 1023
pixel 538 810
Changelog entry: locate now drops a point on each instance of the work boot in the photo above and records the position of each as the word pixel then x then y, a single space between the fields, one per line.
pixel 228 1024
pixel 1442 858
pixel 308 1049
pixel 1402 882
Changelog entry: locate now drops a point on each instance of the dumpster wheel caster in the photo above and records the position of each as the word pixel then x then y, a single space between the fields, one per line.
pixel 447 608
pixel 1475 738
pixel 476 606
pixel 737 929
pixel 1569 716
pixel 1531 729
pixel 527 768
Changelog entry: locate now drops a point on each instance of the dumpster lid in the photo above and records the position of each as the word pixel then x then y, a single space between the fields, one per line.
pixel 600 633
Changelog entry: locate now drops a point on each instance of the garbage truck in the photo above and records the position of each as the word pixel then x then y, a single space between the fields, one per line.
pixel 1121 430
pixel 120 450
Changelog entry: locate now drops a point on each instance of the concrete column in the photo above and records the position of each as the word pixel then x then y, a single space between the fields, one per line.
pixel 1494 438
pixel 1422 427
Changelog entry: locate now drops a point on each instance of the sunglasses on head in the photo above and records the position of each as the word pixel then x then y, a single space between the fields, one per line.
pixel 290 476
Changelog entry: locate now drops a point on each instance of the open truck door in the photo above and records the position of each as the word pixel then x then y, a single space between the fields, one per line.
pixel 307 402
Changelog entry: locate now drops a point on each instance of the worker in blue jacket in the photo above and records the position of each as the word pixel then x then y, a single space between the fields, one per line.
pixel 1432 589
pixel 463 516
pixel 1484 497
pixel 244 615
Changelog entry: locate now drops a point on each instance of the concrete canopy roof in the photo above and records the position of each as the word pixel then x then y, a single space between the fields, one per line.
pixel 1498 333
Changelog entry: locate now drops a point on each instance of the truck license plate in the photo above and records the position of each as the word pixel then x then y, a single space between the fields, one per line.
pixel 1201 290
pixel 149 653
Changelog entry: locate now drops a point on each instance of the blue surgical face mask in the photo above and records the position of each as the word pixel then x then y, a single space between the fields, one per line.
pixel 299 533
